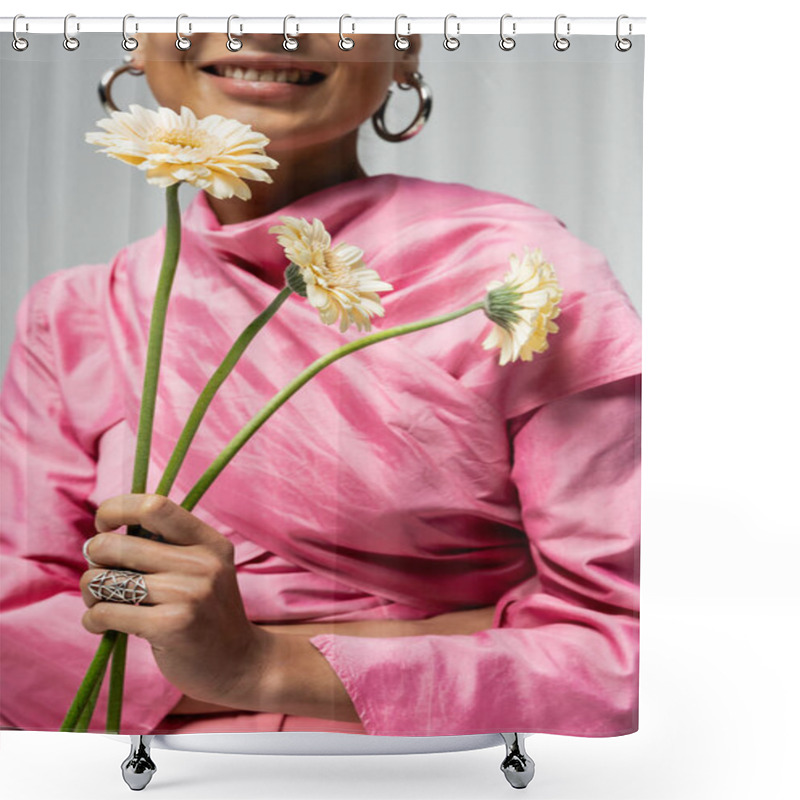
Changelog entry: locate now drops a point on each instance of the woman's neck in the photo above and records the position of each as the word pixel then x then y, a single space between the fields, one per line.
pixel 297 175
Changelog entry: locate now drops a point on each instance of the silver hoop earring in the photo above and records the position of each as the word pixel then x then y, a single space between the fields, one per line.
pixel 104 87
pixel 425 96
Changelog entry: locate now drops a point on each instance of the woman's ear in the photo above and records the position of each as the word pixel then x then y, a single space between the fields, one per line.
pixel 408 60
pixel 139 54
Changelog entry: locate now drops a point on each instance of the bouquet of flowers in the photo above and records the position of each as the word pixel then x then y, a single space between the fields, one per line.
pixel 220 155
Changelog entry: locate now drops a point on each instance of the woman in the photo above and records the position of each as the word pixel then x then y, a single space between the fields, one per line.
pixel 420 543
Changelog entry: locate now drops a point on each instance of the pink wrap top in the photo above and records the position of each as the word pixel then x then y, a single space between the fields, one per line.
pixel 410 479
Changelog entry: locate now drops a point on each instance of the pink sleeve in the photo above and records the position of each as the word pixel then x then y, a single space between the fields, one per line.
pixel 46 476
pixel 562 655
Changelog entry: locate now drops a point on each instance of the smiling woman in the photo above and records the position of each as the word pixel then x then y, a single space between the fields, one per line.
pixel 423 541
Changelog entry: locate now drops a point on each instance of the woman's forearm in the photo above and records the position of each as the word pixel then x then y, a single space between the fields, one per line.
pixel 302 682
pixel 456 622
pixel 297 680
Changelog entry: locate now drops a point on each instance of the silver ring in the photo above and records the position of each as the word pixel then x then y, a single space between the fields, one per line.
pixel 119 586
pixel 400 42
pixel 345 42
pixel 451 42
pixel 233 44
pixel 70 42
pixel 86 555
pixel 182 43
pixel 507 42
pixel 288 42
pixel 623 45
pixel 129 43
pixel 18 43
pixel 561 43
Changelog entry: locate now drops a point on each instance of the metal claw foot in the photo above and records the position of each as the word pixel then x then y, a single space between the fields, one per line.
pixel 138 768
pixel 517 766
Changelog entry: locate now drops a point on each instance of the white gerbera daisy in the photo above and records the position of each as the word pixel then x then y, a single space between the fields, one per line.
pixel 214 153
pixel 337 282
pixel 523 306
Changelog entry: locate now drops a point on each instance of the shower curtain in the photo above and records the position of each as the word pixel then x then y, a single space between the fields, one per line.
pixel 437 533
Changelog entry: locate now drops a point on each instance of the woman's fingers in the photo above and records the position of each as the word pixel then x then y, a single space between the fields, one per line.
pixel 118 551
pixel 159 515
pixel 154 623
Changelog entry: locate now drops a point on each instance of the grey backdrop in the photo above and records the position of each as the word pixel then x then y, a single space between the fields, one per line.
pixel 560 130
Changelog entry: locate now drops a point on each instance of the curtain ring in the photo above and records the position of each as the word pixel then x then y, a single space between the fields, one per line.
pixel 233 44
pixel 129 43
pixel 507 42
pixel 70 42
pixel 400 42
pixel 451 42
pixel 288 42
pixel 623 45
pixel 18 43
pixel 561 43
pixel 345 42
pixel 182 43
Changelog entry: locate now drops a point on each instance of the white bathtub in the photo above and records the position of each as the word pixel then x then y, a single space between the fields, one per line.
pixel 138 768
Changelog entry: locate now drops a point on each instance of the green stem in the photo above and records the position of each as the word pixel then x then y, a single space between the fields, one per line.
pixel 115 686
pixel 94 675
pixel 85 719
pixel 169 263
pixel 211 388
pixel 242 437
pixel 144 435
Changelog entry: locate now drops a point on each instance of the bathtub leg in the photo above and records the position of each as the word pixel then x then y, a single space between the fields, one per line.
pixel 138 768
pixel 517 766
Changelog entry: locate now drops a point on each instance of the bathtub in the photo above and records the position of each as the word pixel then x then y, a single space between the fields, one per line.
pixel 138 768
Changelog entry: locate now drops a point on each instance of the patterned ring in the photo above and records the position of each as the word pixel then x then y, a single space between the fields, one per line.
pixel 119 586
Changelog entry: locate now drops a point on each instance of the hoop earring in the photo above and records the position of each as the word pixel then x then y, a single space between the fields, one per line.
pixel 425 96
pixel 104 87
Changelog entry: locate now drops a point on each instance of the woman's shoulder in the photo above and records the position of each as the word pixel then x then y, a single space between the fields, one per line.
pixel 67 291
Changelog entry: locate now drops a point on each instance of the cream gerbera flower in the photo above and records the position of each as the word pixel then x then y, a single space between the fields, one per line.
pixel 214 153
pixel 337 282
pixel 523 306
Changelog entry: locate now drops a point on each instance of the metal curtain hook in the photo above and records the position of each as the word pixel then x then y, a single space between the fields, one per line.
pixel 233 44
pixel 451 42
pixel 345 42
pixel 288 42
pixel 70 42
pixel 561 43
pixel 623 45
pixel 18 43
pixel 129 43
pixel 182 43
pixel 507 42
pixel 400 42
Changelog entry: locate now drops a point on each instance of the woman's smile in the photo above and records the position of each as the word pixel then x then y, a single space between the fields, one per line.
pixel 266 77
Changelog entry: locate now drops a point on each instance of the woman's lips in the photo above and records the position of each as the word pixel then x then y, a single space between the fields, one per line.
pixel 262 79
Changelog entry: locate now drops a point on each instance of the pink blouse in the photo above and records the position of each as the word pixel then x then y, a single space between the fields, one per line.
pixel 413 478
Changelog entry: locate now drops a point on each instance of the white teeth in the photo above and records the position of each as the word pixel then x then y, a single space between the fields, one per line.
pixel 267 75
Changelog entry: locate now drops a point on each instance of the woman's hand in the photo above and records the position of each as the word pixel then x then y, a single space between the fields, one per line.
pixel 193 615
